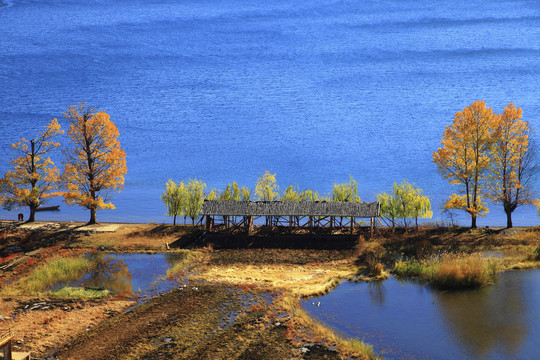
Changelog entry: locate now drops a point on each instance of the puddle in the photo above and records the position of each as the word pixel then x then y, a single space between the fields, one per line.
pixel 137 275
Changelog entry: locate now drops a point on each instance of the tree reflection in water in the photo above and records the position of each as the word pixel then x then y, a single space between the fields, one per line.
pixel 487 320
pixel 376 292
pixel 108 273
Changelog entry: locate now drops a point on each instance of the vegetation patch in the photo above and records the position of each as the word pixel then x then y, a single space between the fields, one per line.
pixel 451 271
pixel 80 292
pixel 58 270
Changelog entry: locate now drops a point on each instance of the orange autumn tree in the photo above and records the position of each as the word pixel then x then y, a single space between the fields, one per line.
pixel 463 158
pixel 513 162
pixel 34 177
pixel 95 165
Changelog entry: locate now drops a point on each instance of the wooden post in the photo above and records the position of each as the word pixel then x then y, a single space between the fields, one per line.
pixel 371 230
pixel 290 223
pixel 208 222
pixel 352 225
pixel 250 224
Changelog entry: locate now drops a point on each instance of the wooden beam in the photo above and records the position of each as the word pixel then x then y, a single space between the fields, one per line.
pixel 250 224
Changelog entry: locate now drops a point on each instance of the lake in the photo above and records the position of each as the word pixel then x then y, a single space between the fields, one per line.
pixel 407 320
pixel 223 90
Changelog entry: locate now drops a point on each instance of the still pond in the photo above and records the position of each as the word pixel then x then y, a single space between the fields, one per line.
pixel 408 320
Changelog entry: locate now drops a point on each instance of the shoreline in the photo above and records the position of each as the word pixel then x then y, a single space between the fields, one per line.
pixel 296 265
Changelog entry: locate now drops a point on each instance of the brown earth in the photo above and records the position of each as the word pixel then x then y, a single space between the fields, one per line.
pixel 192 322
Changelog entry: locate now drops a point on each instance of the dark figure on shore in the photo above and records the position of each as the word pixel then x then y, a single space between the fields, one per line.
pixel 21 217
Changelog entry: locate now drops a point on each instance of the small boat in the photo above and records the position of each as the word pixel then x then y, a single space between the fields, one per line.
pixel 49 208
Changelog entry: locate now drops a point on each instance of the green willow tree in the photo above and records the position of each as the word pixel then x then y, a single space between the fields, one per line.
pixel 212 195
pixel 405 202
pixel 175 199
pixel 309 195
pixel 195 198
pixel 267 189
pixel 290 194
pixel 346 192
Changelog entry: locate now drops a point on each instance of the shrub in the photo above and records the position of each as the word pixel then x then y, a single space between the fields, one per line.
pixel 371 254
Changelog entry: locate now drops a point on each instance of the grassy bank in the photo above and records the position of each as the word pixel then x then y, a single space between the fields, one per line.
pixel 451 271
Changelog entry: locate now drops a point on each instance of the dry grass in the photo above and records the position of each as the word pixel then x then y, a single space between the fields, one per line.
pixel 55 271
pixel 79 292
pixel 42 331
pixel 451 271
pixel 299 280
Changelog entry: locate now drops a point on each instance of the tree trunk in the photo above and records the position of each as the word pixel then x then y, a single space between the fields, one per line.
pixel 92 217
pixel 508 219
pixel 174 220
pixel 32 216
pixel 473 221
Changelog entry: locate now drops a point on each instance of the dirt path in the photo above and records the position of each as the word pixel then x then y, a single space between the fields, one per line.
pixel 117 337
pixel 195 322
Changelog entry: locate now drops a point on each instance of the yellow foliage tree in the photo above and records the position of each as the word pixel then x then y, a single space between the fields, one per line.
pixel 464 157
pixel 96 164
pixel 34 177
pixel 513 162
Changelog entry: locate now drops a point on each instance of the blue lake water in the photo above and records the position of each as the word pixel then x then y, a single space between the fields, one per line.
pixel 222 90
pixel 406 320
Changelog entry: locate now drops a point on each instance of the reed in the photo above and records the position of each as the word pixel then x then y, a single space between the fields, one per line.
pixel 451 271
pixel 58 270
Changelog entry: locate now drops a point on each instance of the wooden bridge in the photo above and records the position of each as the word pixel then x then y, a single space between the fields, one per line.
pixel 290 213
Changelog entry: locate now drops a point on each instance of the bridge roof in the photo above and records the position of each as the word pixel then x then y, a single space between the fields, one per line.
pixel 291 208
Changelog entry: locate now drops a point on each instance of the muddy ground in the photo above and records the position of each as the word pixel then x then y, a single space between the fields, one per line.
pixel 199 320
